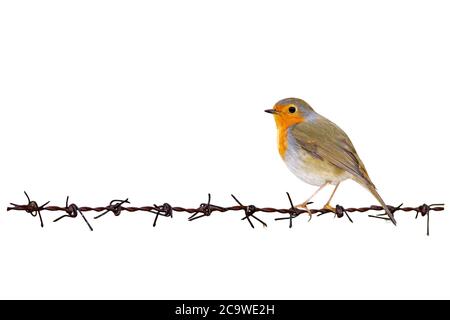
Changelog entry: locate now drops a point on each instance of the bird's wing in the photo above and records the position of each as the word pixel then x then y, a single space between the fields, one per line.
pixel 326 141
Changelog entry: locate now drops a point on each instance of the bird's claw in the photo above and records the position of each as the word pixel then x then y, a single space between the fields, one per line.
pixel 330 208
pixel 304 205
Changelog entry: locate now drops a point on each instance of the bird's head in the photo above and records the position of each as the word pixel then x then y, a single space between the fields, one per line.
pixel 290 111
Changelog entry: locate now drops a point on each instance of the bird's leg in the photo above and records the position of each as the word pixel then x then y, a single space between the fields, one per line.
pixel 327 205
pixel 304 205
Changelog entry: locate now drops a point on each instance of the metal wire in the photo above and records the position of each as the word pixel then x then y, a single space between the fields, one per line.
pixel 117 207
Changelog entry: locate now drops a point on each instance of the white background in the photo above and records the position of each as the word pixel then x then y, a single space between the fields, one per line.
pixel 163 101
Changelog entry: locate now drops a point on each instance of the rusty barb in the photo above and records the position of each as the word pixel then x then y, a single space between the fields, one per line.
pixel 72 211
pixel 117 207
pixel 32 208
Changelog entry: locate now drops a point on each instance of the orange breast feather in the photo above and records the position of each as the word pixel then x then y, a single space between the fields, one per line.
pixel 283 123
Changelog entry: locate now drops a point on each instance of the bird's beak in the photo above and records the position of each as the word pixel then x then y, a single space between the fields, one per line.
pixel 271 111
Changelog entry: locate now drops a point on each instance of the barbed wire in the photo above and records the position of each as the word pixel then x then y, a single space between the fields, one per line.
pixel 117 207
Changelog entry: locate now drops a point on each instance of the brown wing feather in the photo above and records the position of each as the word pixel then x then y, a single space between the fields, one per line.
pixel 327 141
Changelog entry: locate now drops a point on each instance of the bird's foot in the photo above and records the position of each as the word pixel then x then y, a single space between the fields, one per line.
pixel 304 205
pixel 329 207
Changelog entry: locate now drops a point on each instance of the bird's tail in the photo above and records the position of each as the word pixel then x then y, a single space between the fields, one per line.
pixel 380 200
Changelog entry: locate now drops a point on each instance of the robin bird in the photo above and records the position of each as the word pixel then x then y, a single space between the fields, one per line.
pixel 317 151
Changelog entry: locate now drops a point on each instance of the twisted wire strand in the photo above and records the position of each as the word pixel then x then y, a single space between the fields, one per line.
pixel 116 207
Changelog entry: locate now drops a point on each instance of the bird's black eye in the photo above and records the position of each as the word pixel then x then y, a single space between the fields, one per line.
pixel 292 109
